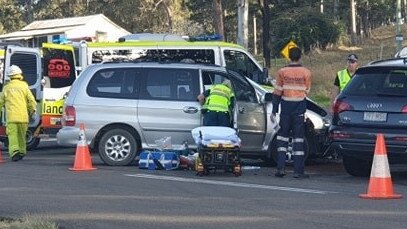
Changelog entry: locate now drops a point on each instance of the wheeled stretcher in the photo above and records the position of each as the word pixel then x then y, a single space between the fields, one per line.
pixel 218 148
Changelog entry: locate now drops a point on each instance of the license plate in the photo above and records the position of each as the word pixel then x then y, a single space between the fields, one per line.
pixel 375 116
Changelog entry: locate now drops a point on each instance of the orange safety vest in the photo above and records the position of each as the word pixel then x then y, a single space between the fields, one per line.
pixel 293 83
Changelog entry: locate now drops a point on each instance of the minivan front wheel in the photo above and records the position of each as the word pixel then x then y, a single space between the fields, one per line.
pixel 117 147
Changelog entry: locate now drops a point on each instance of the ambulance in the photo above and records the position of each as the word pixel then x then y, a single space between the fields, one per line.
pixel 49 73
pixel 158 48
pixel 29 60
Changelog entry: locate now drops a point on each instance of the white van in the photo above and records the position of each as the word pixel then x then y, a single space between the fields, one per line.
pixel 231 56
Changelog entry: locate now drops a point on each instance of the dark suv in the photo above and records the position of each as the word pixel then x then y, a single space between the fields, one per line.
pixel 375 101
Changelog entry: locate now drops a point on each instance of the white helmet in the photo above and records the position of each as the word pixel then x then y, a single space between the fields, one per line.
pixel 14 70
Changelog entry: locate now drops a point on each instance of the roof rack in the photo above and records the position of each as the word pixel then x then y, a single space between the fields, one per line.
pixel 116 61
pixel 151 37
pixel 393 61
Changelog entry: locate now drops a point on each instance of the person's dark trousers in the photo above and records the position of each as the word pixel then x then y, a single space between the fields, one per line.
pixel 213 118
pixel 288 123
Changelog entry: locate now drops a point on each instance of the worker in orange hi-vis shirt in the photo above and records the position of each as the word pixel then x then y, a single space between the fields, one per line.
pixel 292 86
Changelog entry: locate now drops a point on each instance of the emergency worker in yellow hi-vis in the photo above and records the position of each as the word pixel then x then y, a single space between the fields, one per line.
pixel 19 105
pixel 343 76
pixel 217 104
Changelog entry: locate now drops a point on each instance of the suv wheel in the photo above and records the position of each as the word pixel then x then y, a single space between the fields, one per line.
pixel 289 156
pixel 356 167
pixel 117 147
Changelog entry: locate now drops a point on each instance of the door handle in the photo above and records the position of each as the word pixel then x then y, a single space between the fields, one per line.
pixel 190 110
pixel 241 110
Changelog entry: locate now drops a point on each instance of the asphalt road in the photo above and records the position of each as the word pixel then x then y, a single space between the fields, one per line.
pixel 128 197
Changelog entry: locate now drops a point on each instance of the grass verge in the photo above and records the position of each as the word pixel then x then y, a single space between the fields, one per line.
pixel 27 222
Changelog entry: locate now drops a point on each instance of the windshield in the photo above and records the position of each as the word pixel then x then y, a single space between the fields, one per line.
pixel 378 81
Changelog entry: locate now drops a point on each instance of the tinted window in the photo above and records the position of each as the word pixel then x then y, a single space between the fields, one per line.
pixel 378 81
pixel 171 84
pixel 201 56
pixel 28 64
pixel 59 67
pixel 114 83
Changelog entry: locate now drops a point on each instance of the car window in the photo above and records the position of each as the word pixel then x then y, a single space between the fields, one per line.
pixel 114 83
pixel 241 63
pixel 385 82
pixel 28 64
pixel 242 88
pixel 201 56
pixel 211 78
pixel 170 84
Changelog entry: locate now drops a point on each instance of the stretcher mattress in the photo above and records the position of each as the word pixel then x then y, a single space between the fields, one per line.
pixel 216 135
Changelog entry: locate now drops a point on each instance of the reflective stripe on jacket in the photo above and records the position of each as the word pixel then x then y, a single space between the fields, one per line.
pixel 18 100
pixel 344 79
pixel 293 83
pixel 219 98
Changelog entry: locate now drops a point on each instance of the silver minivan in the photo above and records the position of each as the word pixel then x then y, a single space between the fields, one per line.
pixel 126 107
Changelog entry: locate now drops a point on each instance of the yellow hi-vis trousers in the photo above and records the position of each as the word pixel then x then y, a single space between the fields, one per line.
pixel 17 142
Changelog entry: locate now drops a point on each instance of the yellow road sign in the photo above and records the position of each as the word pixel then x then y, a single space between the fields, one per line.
pixel 284 52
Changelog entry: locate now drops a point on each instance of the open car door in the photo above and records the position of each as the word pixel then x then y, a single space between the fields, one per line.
pixel 59 75
pixel 29 60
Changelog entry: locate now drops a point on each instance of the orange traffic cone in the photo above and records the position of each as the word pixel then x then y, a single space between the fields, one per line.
pixel 83 161
pixel 1 157
pixel 380 184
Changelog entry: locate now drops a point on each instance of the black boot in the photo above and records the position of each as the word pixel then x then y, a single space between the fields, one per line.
pixel 280 173
pixel 17 157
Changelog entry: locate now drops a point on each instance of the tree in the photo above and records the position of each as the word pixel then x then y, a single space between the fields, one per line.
pixel 264 5
pixel 52 9
pixel 309 29
pixel 218 18
pixel 11 16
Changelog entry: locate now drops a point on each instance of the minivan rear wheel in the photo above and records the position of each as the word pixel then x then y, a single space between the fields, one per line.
pixel 117 147
pixel 356 167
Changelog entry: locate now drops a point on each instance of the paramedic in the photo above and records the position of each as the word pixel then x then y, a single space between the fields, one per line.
pixel 19 105
pixel 217 104
pixel 292 86
pixel 343 76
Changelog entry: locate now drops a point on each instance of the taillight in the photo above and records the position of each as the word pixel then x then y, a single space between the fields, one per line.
pixel 404 109
pixel 70 116
pixel 340 106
